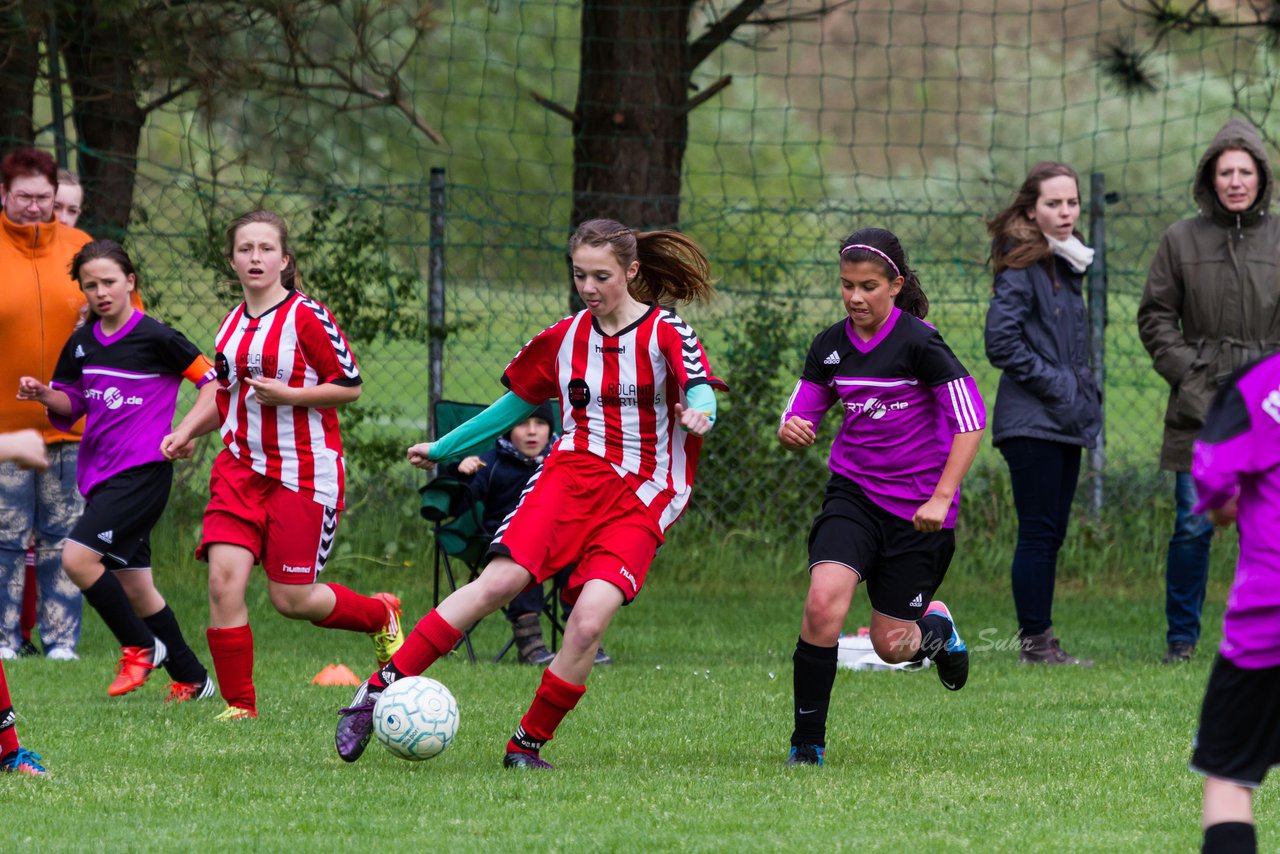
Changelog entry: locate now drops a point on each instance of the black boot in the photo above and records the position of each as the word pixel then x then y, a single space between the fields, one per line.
pixel 530 647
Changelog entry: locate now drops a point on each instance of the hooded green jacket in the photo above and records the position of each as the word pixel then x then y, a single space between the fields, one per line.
pixel 1212 299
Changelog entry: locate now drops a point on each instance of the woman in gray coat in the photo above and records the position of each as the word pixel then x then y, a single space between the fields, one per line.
pixel 1048 406
pixel 1210 306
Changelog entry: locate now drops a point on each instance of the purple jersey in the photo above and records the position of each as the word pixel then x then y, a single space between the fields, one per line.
pixel 127 386
pixel 1238 455
pixel 904 395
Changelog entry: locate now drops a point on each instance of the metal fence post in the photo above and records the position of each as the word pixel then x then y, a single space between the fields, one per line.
pixel 435 299
pixel 1098 329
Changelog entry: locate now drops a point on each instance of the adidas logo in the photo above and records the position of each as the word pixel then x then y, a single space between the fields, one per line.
pixel 833 359
pixel 917 602
pixel 79 352
pixel 105 536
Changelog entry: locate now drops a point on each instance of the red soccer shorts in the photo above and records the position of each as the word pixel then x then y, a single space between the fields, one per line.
pixel 289 534
pixel 580 511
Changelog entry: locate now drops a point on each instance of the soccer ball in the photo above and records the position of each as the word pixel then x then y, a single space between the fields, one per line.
pixel 415 718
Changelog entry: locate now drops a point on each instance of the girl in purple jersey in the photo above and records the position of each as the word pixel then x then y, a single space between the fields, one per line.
pixel 121 371
pixel 912 425
pixel 1236 468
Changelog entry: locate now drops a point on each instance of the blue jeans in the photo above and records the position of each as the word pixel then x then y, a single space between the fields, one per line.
pixel 1187 568
pixel 49 504
pixel 1044 475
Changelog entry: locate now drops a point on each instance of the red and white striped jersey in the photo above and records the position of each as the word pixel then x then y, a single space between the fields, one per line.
pixel 299 343
pixel 617 393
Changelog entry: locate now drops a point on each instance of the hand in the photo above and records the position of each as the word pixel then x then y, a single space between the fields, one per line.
pixel 26 448
pixel 693 421
pixel 271 392
pixel 930 515
pixel 177 446
pixel 469 465
pixel 30 388
pixel 418 458
pixel 797 433
pixel 1226 514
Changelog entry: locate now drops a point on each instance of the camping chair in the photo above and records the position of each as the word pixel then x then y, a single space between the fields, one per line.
pixel 459 528
pixel 457 521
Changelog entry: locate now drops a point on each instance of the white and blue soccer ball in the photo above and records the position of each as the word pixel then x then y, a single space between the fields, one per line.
pixel 415 718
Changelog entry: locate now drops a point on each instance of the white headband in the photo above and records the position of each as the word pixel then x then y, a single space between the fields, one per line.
pixel 887 259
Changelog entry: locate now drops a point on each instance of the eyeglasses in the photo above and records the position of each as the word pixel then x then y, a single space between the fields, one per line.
pixel 26 199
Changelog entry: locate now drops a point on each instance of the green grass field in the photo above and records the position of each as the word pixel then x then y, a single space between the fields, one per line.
pixel 679 746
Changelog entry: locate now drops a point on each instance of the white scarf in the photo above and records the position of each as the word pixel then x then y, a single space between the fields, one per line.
pixel 1076 254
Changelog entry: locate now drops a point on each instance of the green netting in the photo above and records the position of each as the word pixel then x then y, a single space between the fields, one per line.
pixel 918 116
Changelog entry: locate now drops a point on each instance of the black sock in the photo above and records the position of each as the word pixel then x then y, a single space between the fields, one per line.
pixel 182 664
pixel 386 674
pixel 110 601
pixel 935 631
pixel 1230 837
pixel 813 675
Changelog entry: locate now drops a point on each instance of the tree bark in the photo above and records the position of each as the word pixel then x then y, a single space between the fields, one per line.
pixel 101 71
pixel 21 30
pixel 629 141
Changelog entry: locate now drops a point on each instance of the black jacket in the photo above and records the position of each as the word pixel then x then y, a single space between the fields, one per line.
pixel 1037 333
pixel 499 483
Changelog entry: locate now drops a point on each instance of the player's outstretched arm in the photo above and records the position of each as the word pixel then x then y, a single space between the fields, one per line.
pixel 474 435
pixel 200 419
pixel 57 402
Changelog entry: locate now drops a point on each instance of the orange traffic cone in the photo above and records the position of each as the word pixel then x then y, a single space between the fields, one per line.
pixel 336 674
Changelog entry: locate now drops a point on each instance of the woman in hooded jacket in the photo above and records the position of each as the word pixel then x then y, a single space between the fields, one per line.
pixel 1211 305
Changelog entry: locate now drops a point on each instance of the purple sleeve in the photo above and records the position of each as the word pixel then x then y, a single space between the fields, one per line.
pixel 962 404
pixel 1217 469
pixel 78 409
pixel 810 401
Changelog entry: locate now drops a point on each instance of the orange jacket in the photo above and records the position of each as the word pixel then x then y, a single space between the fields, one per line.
pixel 39 307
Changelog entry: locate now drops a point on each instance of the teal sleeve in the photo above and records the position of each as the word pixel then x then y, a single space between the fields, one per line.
pixel 476 436
pixel 703 397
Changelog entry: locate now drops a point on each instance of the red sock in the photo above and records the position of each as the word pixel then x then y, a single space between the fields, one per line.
pixel 8 729
pixel 232 652
pixel 27 621
pixel 554 699
pixel 353 612
pixel 430 639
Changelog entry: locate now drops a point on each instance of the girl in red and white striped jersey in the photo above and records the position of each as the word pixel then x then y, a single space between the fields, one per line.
pixel 283 368
pixel 636 392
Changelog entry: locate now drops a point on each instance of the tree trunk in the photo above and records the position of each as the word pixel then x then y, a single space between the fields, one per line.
pixel 101 73
pixel 21 30
pixel 631 129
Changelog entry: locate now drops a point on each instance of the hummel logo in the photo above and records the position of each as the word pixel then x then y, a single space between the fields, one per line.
pixel 105 536
pixel 917 602
pixel 833 359
pixel 79 352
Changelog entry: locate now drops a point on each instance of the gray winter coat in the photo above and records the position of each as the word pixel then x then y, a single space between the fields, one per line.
pixel 1037 333
pixel 1212 299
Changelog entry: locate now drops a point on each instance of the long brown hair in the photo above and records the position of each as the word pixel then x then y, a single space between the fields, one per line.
pixel 673 268
pixel 1016 241
pixel 289 275
pixel 881 246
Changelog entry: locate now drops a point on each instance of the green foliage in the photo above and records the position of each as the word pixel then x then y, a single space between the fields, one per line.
pixel 374 298
pixel 764 347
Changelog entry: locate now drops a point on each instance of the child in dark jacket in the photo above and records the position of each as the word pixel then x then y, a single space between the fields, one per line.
pixel 498 478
